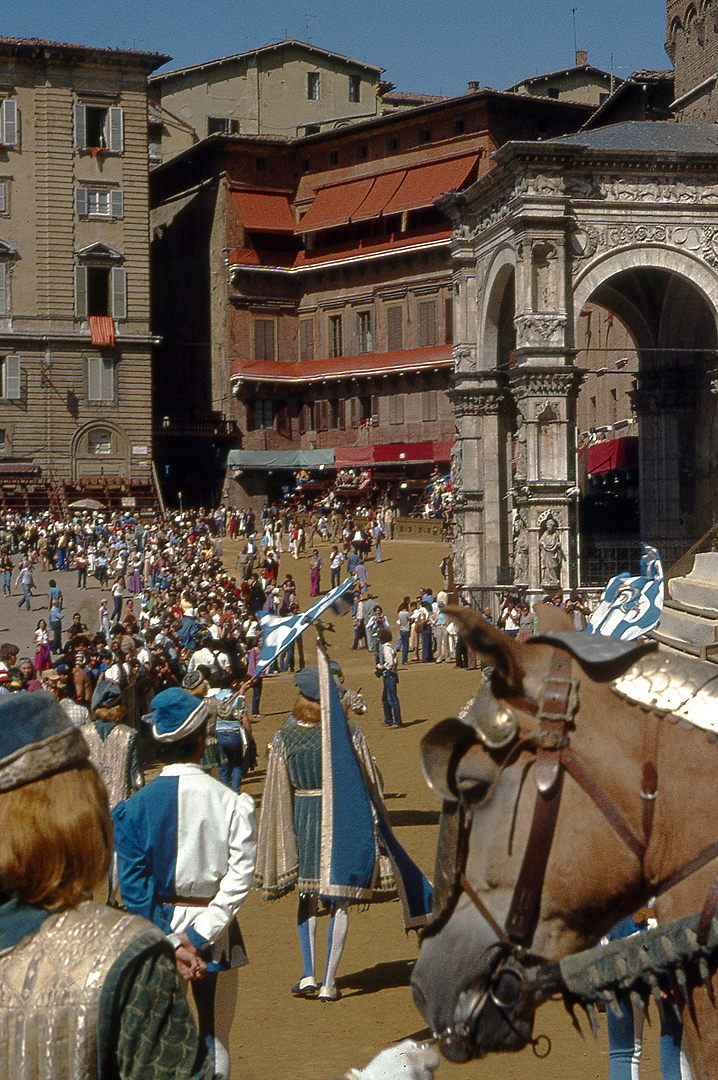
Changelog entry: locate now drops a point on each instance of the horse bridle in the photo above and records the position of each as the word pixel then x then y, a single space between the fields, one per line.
pixel 555 709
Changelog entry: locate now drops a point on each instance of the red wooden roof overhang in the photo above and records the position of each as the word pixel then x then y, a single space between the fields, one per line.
pixel 364 366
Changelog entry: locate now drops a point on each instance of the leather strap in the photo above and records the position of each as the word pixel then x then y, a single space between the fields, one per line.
pixel 604 804
pixel 524 911
pixel 649 791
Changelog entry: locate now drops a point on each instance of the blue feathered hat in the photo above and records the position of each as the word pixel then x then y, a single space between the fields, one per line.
pixel 37 739
pixel 176 715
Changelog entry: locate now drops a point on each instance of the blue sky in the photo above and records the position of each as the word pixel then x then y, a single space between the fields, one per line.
pixel 423 45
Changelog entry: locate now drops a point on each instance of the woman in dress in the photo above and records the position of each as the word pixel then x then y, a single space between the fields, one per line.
pixel 315 571
pixel 41 641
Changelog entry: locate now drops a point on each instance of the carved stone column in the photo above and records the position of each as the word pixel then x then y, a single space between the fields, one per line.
pixel 545 477
pixel 664 399
pixel 478 482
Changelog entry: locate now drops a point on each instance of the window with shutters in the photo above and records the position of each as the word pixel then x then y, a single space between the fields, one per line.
pixel 100 378
pixel 9 123
pixel 395 328
pixel 396 409
pixel 354 87
pixel 264 413
pixel 336 340
pixel 364 332
pixel 313 85
pixel 4 197
pixel 222 125
pixel 429 405
pixel 99 442
pixel 306 339
pixel 4 292
pixel 427 324
pixel 99 128
pixel 448 321
pixel 98 202
pixel 337 414
pixel 264 339
pixel 11 381
pixel 100 290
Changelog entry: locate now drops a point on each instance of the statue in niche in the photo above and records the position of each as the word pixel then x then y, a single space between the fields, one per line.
pixel 550 552
pixel 456 468
pixel 520 447
pixel 521 550
pixel 458 551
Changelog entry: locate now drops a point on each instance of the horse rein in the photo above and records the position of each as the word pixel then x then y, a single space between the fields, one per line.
pixel 555 708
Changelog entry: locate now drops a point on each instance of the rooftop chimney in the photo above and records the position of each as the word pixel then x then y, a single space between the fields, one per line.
pixel 473 86
pixel 581 57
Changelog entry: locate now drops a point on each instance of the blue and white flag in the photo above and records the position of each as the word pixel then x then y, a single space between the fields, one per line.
pixel 278 633
pixel 348 845
pixel 631 606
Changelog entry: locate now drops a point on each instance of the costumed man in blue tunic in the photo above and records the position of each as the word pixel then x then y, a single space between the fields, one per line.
pixel 186 849
pixel 86 992
pixel 290 832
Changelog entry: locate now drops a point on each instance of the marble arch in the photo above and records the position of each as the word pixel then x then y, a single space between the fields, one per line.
pixel 626 217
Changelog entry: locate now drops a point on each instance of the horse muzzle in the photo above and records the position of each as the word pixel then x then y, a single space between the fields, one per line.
pixel 494 1012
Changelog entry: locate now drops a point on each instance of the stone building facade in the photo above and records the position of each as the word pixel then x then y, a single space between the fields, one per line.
pixel 303 288
pixel 75 346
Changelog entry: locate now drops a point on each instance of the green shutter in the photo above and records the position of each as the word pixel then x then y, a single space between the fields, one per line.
pixel 12 377
pixel 81 292
pixel 119 293
pixel 3 289
pixel 117 203
pixel 116 139
pixel 81 201
pixel 9 122
pixel 94 375
pixel 80 128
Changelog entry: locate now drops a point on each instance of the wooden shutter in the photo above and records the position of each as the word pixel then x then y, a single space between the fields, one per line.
pixel 117 203
pixel 80 128
pixel 306 339
pixel 3 289
pixel 322 409
pixel 9 122
pixel 263 339
pixel 12 377
pixel 115 133
pixel 119 293
pixel 428 405
pixel 354 412
pixel 302 419
pixel 448 321
pixel 396 409
pixel 3 196
pixel 107 378
pixel 427 324
pixel 284 426
pixel 81 292
pixel 395 329
pixel 374 409
pixel 94 379
pixel 81 201
pixel 251 420
pixel 341 414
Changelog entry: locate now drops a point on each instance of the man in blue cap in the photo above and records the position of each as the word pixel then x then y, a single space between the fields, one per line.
pixel 186 849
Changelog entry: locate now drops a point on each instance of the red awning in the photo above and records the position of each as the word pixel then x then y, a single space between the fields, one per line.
pixel 424 183
pixel 611 455
pixel 393 453
pixel 382 191
pixel 335 205
pixel 264 211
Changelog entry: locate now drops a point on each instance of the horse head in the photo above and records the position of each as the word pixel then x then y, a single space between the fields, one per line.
pixel 527 868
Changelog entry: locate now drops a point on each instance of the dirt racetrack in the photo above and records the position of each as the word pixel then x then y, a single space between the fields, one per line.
pixel 279 1037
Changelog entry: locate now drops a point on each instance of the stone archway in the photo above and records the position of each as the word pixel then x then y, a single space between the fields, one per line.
pixel 601 217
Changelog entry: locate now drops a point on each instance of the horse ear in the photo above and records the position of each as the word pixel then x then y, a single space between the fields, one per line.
pixel 500 649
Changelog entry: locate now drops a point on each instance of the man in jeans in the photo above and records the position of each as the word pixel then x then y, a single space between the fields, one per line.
pixel 335 565
pixel 24 579
pixel 387 666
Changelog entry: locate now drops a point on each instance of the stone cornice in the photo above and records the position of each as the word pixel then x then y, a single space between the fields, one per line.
pixel 544 382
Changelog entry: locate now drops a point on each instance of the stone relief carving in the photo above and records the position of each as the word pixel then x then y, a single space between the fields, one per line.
pixel 456 470
pixel 464 357
pixel 551 553
pixel 482 265
pixel 710 245
pixel 656 189
pixel 587 239
pixel 477 402
pixel 520 455
pixel 530 327
pixel 532 383
pixel 540 185
pixel 458 550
